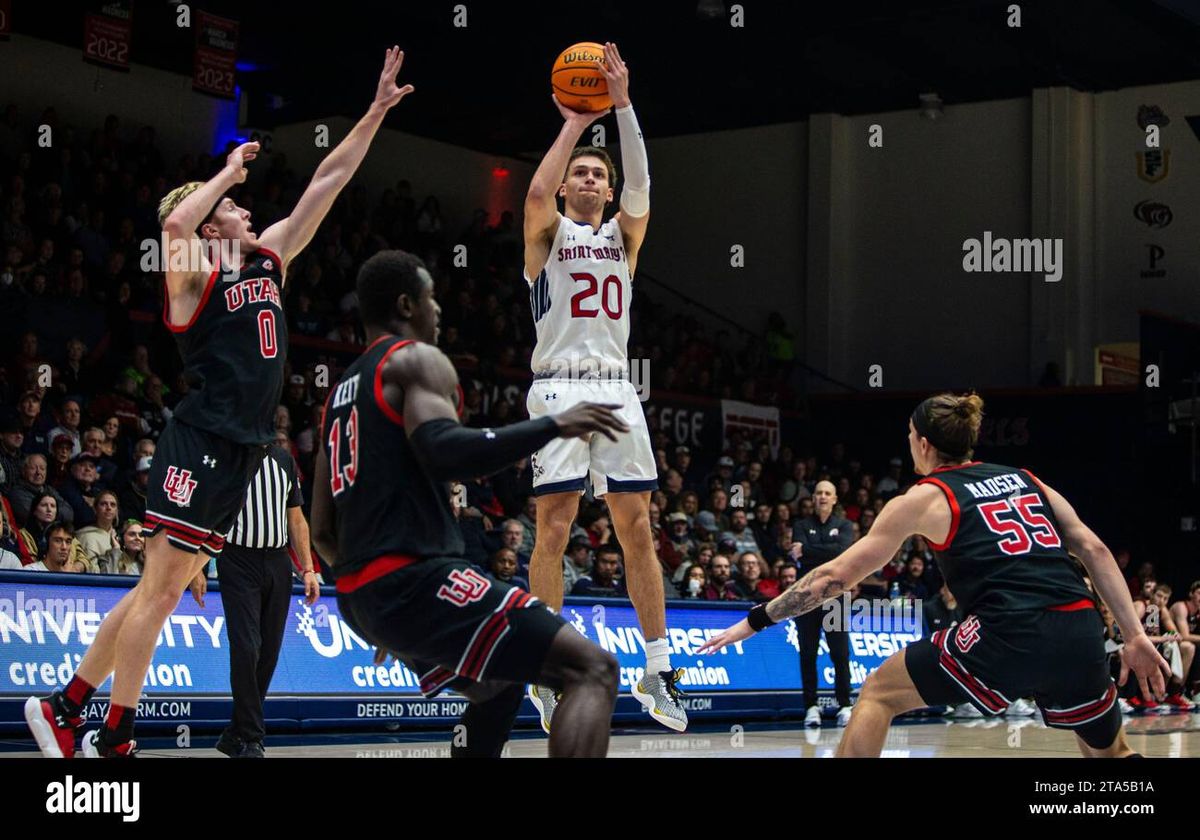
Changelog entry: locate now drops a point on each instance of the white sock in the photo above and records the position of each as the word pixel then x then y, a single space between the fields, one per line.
pixel 658 656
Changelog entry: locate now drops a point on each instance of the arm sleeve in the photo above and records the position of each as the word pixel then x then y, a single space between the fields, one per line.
pixel 635 195
pixel 451 452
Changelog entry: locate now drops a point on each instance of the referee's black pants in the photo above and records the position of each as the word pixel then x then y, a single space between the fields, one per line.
pixel 808 627
pixel 256 586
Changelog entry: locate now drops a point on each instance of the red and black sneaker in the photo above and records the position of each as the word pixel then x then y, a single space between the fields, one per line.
pixel 52 728
pixel 94 746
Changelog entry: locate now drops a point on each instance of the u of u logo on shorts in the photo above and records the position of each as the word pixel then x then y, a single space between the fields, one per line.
pixel 967 634
pixel 465 586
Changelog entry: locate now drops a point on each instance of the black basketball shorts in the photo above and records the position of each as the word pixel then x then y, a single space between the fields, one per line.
pixel 197 487
pixel 1054 656
pixel 450 624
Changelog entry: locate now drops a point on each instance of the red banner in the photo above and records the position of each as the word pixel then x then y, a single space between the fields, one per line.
pixel 107 34
pixel 215 57
pixel 5 19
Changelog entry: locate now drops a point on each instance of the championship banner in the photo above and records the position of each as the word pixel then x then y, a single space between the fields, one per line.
pixel 215 55
pixel 758 421
pixel 324 666
pixel 108 32
pixel 5 19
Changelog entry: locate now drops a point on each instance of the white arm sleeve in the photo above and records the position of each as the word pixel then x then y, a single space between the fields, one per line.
pixel 635 195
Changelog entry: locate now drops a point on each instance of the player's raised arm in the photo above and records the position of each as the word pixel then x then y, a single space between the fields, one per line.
pixel 183 216
pixel 541 207
pixel 914 512
pixel 635 195
pixel 1138 654
pixel 289 236
pixel 448 450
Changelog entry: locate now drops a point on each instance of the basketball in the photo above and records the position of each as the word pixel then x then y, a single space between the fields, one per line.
pixel 576 81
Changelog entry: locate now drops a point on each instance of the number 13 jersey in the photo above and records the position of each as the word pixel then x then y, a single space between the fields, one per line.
pixel 1005 550
pixel 580 302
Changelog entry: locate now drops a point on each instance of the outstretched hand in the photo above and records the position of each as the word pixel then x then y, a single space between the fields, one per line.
pixel 388 93
pixel 616 74
pixel 238 159
pixel 734 633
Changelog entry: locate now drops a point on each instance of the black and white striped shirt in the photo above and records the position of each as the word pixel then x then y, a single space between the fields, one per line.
pixel 274 488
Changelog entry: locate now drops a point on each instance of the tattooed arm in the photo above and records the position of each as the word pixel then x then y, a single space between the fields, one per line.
pixel 922 509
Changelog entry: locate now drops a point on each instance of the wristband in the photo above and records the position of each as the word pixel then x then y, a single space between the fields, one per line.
pixel 758 618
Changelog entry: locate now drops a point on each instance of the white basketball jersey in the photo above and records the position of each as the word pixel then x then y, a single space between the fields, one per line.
pixel 581 300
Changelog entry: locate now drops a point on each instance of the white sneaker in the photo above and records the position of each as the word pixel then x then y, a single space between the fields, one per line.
pixel 843 716
pixel 1020 708
pixel 966 711
pixel 1126 709
pixel 812 717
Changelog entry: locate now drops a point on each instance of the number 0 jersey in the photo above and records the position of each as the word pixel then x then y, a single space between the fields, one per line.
pixel 233 352
pixel 1004 550
pixel 384 501
pixel 581 300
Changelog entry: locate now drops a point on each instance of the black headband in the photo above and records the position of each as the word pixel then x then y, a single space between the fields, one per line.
pixel 926 429
pixel 212 210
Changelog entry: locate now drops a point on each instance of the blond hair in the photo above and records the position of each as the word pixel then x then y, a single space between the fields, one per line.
pixel 172 199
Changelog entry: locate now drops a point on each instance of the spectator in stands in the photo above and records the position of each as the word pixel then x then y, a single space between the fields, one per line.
pixel 75 377
pixel 132 500
pixel 119 402
pixel 43 513
pixel 720 585
pixel 100 540
pixel 604 580
pixel 722 476
pixel 912 582
pixel 749 580
pixel 12 436
pixel 694 583
pixel 1137 582
pixel 35 424
pixel 718 506
pixel 81 488
pixel 512 535
pixel 528 520
pixel 577 562
pixel 30 486
pixel 152 407
pixel 941 611
pixel 13 552
pixel 58 465
pixel 760 525
pixel 94 441
pixel 62 553
pixel 739 531
pixel 1186 616
pixel 504 568
pixel 70 417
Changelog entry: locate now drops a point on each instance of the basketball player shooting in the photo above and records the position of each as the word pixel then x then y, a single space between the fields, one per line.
pixel 233 340
pixel 579 268
pixel 1031 628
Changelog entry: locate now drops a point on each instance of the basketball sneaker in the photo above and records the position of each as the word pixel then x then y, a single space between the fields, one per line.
pixel 843 715
pixel 1020 708
pixel 812 717
pixel 96 747
pixel 659 695
pixel 52 728
pixel 967 711
pixel 545 700
pixel 1177 701
pixel 1140 703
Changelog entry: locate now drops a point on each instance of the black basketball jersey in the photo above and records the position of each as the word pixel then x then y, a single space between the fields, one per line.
pixel 233 352
pixel 1004 550
pixel 384 501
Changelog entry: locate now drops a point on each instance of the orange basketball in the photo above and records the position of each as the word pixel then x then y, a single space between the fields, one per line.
pixel 577 82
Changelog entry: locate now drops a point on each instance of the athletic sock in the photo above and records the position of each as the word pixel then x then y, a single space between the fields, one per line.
pixel 118 728
pixel 658 656
pixel 75 696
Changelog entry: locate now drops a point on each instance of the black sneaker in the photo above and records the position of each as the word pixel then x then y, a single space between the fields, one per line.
pixel 252 749
pixel 230 745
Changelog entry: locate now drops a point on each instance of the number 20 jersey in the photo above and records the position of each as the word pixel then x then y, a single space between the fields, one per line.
pixel 581 300
pixel 1005 550
pixel 384 501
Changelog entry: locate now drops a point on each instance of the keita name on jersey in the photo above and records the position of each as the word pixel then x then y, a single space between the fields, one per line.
pixel 346 392
pixel 253 290
pixel 997 485
pixel 587 252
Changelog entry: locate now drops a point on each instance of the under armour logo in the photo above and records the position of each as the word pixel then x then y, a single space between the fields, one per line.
pixel 268 265
pixel 489 434
pixel 552 396
pixel 209 462
pixel 611 238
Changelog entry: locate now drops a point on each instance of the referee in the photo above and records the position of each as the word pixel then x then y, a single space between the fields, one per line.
pixel 256 586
